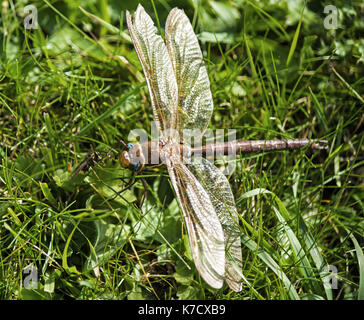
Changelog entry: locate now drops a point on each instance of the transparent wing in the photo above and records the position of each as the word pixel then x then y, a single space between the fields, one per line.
pixel 204 229
pixel 222 199
pixel 157 67
pixel 195 103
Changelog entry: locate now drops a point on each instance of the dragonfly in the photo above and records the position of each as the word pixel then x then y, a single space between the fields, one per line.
pixel 181 99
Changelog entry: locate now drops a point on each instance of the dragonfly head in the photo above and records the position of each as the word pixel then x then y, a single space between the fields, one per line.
pixel 133 157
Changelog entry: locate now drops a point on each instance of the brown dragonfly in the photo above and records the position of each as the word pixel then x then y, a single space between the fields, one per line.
pixel 181 99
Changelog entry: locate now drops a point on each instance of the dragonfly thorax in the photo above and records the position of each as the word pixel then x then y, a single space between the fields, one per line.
pixel 152 153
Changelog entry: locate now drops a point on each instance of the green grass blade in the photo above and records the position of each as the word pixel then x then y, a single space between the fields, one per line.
pixel 316 256
pixel 104 12
pixel 301 258
pixel 105 24
pixel 269 261
pixel 65 250
pixel 108 112
pixel 352 90
pixel 295 39
pixel 300 255
pixel 360 256
pixel 251 60
pixel 273 20
pixel 320 110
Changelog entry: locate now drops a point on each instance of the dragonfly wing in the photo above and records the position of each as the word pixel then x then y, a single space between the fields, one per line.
pixel 157 67
pixel 222 199
pixel 195 103
pixel 204 228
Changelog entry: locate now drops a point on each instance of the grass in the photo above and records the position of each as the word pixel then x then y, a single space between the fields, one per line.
pixel 76 83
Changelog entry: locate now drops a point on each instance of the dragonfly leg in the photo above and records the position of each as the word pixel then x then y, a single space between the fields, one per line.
pixel 131 181
pixel 128 185
pixel 108 153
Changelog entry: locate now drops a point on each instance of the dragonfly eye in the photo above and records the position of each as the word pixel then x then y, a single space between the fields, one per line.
pixel 125 159
pixel 129 146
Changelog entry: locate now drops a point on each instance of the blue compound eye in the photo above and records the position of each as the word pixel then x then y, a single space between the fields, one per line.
pixel 129 146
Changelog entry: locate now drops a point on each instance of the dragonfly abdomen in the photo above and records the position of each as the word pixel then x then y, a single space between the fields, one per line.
pixel 251 146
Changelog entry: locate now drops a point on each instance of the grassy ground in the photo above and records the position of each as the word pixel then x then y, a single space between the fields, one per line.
pixel 75 83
